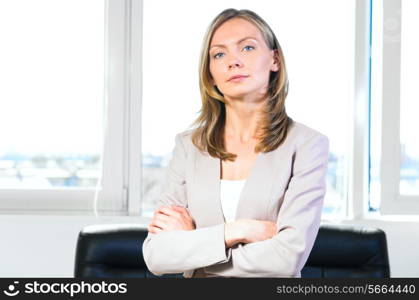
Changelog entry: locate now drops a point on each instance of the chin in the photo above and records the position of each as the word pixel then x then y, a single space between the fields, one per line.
pixel 239 92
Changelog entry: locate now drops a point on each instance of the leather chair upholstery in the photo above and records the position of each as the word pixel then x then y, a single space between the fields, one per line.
pixel 339 251
pixel 112 251
pixel 348 251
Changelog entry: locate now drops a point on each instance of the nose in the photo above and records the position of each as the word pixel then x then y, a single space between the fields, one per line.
pixel 235 63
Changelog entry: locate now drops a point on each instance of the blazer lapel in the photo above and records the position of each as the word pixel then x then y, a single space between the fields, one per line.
pixel 255 196
pixel 207 190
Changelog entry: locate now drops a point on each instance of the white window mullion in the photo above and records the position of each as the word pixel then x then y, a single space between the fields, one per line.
pixel 392 202
pixel 390 159
pixel 134 113
pixel 112 194
pixel 358 179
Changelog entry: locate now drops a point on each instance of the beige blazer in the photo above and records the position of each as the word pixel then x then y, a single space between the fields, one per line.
pixel 286 186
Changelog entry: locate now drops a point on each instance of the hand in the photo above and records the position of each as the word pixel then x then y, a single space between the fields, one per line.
pixel 248 231
pixel 167 218
pixel 257 230
pixel 233 234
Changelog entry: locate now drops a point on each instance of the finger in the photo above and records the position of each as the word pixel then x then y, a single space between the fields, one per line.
pixel 161 212
pixel 171 212
pixel 186 215
pixel 170 209
pixel 168 221
pixel 154 229
pixel 181 210
pixel 158 210
pixel 160 222
pixel 163 217
pixel 153 224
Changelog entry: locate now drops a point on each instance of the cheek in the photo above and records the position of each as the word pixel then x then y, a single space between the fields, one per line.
pixel 262 67
pixel 264 64
pixel 215 71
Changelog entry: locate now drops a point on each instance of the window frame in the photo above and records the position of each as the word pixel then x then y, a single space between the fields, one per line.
pixel 356 206
pixel 358 196
pixel 122 157
pixel 392 202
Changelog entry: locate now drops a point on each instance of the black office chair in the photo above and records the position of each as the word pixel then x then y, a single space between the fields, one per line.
pixel 348 251
pixel 339 251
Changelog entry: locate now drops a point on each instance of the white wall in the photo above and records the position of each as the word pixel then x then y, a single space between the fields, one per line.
pixel 44 246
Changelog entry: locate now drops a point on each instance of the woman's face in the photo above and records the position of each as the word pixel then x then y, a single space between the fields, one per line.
pixel 238 48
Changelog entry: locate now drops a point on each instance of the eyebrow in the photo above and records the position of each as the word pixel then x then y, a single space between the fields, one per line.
pixel 241 40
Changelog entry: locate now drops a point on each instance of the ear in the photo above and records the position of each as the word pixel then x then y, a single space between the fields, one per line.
pixel 276 63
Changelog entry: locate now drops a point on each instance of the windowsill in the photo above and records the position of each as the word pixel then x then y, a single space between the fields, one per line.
pixel 373 216
pixel 71 216
pixel 391 218
pixel 78 213
pixel 145 219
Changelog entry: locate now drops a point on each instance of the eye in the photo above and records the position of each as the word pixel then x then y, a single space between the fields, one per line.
pixel 247 48
pixel 217 55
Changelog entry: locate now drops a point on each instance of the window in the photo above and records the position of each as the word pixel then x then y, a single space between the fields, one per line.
pixel 71 141
pixel 50 126
pixel 62 74
pixel 319 52
pixel 395 151
pixel 409 95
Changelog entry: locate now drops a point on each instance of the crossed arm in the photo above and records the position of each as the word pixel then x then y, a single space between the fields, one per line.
pixel 246 247
pixel 169 218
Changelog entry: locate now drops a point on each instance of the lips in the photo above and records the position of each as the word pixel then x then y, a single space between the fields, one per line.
pixel 237 77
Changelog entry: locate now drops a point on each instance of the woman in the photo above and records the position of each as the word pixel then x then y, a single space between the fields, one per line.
pixel 245 186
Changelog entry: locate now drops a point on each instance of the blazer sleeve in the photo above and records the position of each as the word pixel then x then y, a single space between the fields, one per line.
pixel 180 250
pixel 285 254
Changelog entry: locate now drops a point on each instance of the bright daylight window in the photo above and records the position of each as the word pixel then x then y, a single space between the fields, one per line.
pixel 319 51
pixel 409 95
pixel 397 114
pixel 52 93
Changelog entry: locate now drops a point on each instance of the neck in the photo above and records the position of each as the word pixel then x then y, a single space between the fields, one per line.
pixel 242 119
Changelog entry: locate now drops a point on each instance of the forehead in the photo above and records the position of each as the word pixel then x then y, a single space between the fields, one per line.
pixel 235 29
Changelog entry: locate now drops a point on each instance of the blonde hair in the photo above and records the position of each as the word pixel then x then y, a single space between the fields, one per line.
pixel 208 132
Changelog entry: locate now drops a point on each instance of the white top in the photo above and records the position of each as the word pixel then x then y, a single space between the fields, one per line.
pixel 230 191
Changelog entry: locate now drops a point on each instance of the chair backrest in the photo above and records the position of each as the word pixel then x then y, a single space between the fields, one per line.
pixel 343 250
pixel 112 251
pixel 339 251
